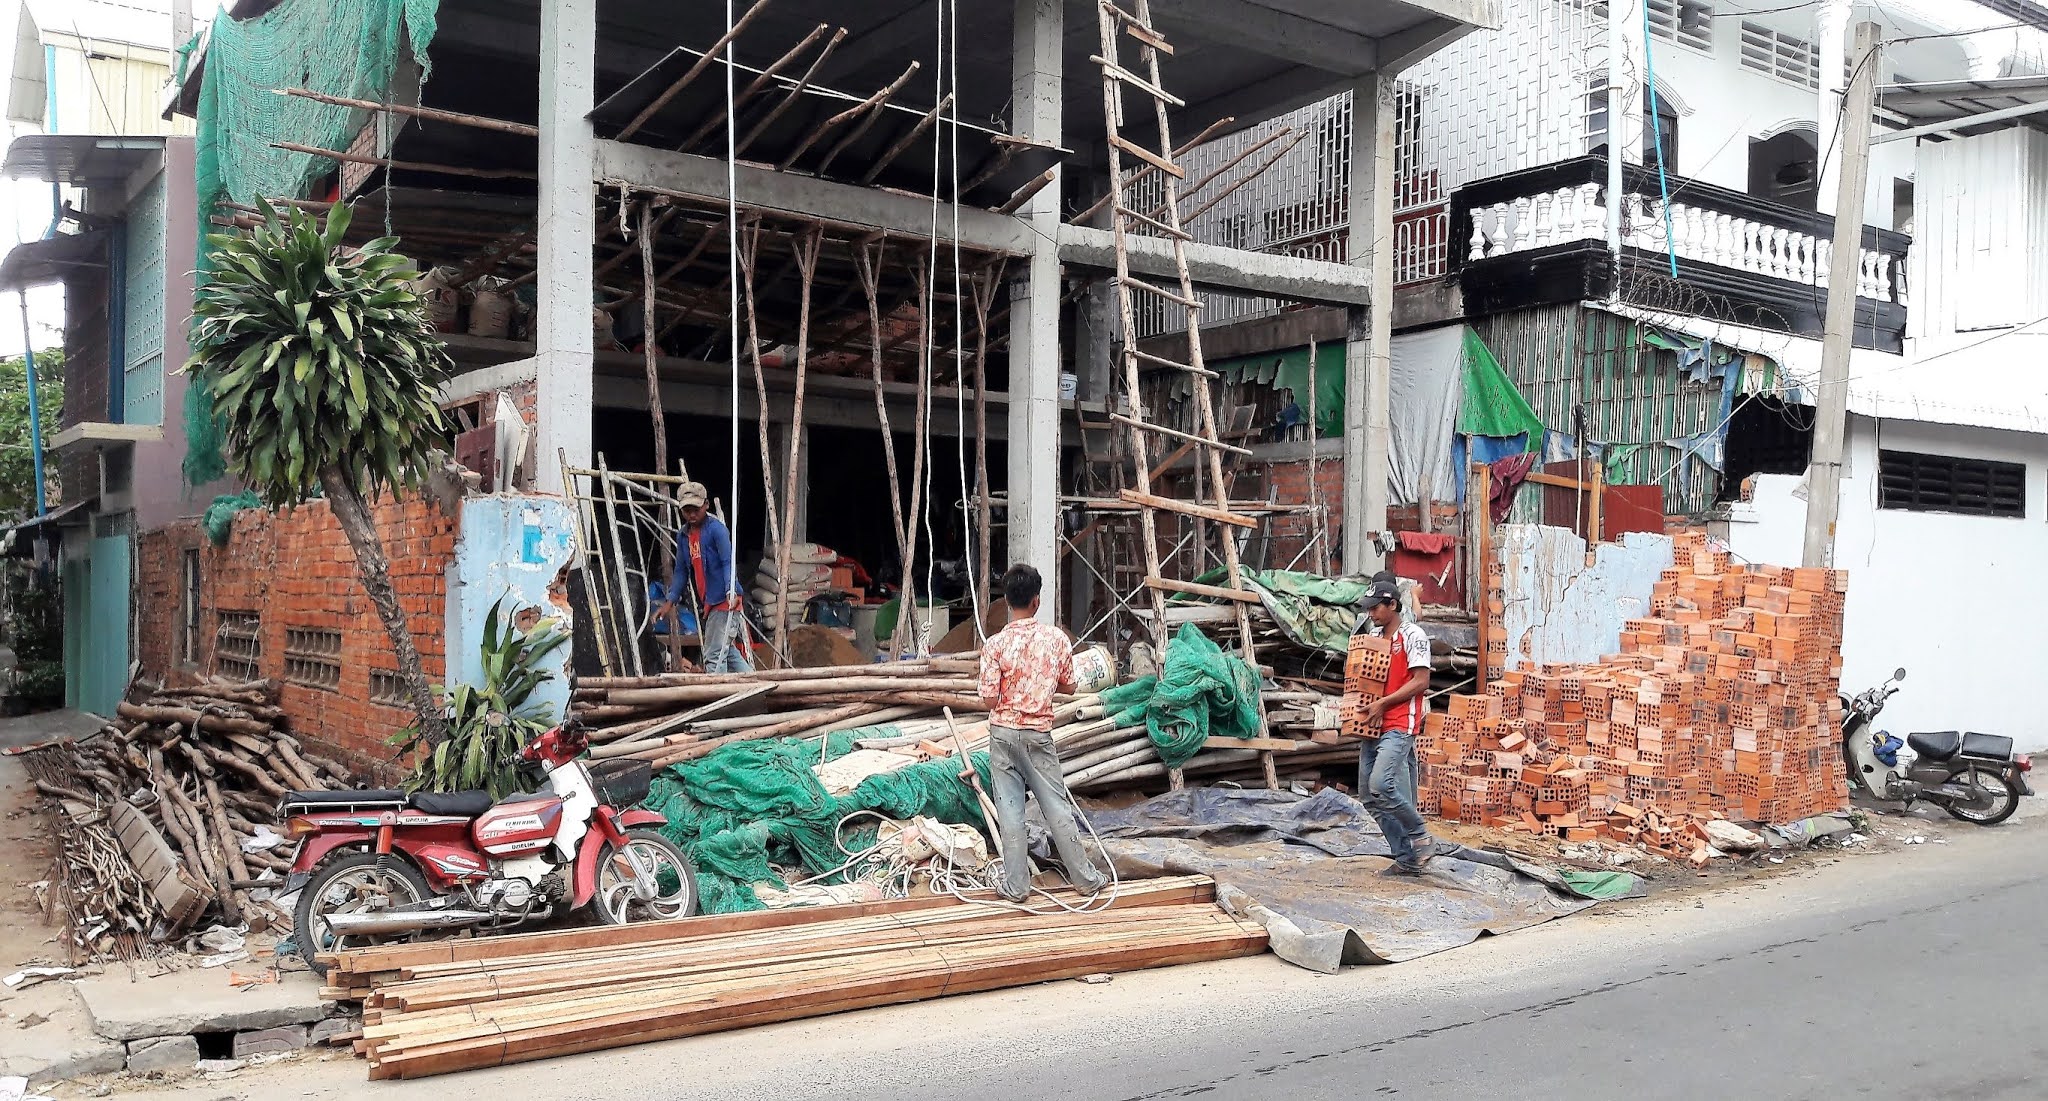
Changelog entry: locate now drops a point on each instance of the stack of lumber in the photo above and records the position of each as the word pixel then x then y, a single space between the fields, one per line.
pixel 1724 703
pixel 179 781
pixel 462 1004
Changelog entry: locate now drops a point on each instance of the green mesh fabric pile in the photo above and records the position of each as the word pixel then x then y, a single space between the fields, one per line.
pixel 219 520
pixel 1200 692
pixel 340 47
pixel 749 807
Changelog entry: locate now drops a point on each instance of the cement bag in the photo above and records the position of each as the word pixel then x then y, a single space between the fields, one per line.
pixel 437 292
pixel 766 596
pixel 812 553
pixel 490 310
pixel 801 574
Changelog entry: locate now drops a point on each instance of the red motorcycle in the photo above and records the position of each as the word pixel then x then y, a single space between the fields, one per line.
pixel 381 865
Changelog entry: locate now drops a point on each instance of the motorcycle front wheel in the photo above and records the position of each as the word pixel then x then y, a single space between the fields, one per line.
pixel 674 892
pixel 351 883
pixel 2000 799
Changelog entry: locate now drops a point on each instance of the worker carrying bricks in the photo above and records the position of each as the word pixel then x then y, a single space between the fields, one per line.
pixel 704 557
pixel 1022 666
pixel 1386 761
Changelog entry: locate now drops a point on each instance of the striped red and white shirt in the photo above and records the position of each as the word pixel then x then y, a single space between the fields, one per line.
pixel 1411 651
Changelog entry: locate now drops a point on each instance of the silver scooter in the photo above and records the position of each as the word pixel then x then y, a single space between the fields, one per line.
pixel 1974 777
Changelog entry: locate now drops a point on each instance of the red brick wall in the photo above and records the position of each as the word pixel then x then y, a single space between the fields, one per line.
pixel 1288 484
pixel 295 570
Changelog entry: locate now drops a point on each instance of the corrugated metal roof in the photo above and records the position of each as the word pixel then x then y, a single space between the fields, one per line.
pixel 127 22
pixel 36 263
pixel 79 160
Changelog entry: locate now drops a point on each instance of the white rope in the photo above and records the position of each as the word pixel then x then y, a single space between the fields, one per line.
pixel 732 283
pixel 975 569
pixel 919 628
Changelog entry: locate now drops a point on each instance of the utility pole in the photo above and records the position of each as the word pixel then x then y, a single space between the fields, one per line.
pixel 1824 476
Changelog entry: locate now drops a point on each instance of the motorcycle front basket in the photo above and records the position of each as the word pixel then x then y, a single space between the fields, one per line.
pixel 622 783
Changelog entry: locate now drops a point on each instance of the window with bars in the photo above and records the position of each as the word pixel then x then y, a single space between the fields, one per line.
pixel 312 657
pixel 1686 22
pixel 1781 55
pixel 238 645
pixel 1660 125
pixel 388 688
pixel 1915 482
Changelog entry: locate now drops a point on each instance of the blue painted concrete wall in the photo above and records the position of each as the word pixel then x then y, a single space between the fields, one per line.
pixel 1557 608
pixel 509 544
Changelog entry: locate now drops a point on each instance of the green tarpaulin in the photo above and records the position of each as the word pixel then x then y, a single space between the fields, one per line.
pixel 1491 405
pixel 1289 369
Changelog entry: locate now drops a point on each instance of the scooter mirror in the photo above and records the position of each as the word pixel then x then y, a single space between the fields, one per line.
pixel 1899 673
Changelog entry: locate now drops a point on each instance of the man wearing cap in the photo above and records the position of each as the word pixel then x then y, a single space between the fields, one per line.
pixel 704 556
pixel 1386 763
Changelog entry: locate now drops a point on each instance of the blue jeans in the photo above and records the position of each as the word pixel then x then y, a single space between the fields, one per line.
pixel 721 644
pixel 1386 785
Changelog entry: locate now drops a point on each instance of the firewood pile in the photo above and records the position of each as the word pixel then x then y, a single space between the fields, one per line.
pixel 170 813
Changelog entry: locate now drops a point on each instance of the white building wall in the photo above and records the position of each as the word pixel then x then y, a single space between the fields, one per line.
pixel 1959 601
pixel 1980 246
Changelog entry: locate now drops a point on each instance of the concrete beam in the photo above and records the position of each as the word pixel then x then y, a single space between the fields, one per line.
pixel 1036 61
pixel 1399 51
pixel 1224 269
pixel 765 189
pixel 1298 38
pixel 564 342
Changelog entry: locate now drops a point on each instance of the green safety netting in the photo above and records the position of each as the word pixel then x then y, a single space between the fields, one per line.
pixel 219 520
pixel 341 47
pixel 1289 369
pixel 748 808
pixel 1200 692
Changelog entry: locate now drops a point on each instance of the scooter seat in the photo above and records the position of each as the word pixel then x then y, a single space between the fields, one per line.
pixel 461 804
pixel 373 797
pixel 1937 745
pixel 1987 747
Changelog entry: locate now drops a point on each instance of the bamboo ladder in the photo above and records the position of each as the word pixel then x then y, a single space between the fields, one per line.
pixel 1164 221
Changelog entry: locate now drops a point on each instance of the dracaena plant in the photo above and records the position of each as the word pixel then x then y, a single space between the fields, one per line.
pixel 489 722
pixel 325 374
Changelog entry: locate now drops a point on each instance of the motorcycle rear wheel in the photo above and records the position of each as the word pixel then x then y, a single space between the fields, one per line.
pixel 2004 799
pixel 616 903
pixel 339 887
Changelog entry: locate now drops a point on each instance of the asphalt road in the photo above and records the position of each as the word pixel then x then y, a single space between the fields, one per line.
pixel 1914 974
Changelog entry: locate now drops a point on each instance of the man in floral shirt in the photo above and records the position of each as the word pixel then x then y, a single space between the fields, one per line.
pixel 1022 666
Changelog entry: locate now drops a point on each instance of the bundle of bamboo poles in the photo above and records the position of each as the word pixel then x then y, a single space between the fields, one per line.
pixel 207 767
pixel 671 718
pixel 458 1005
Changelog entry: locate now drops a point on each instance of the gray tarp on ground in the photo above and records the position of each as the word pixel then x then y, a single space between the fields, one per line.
pixel 1307 868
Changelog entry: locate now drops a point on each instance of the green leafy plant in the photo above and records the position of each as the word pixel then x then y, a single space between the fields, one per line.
pixel 488 723
pixel 325 375
pixel 17 457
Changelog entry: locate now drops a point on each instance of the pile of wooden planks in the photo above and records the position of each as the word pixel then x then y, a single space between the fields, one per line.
pixel 462 1004
pixel 180 781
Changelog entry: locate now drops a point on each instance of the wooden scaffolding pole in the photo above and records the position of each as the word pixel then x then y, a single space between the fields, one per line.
pixel 807 249
pixel 869 260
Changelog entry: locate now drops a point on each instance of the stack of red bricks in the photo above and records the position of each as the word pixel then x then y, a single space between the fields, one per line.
pixel 1368 662
pixel 1723 703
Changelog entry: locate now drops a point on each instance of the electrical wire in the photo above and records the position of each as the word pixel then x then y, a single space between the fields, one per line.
pixel 732 283
pixel 975 570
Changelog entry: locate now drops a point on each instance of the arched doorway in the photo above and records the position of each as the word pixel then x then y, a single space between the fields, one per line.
pixel 1785 168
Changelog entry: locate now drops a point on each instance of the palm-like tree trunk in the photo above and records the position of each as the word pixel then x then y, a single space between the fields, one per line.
pixel 353 514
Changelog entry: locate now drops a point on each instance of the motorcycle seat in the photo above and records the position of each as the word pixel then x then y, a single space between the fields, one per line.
pixel 369 798
pixel 1987 747
pixel 461 804
pixel 1938 745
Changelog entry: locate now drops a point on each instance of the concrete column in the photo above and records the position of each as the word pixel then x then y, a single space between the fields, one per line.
pixel 1831 34
pixel 1035 309
pixel 563 344
pixel 1369 330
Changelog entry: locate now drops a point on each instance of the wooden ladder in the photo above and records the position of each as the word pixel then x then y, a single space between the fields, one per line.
pixel 1116 23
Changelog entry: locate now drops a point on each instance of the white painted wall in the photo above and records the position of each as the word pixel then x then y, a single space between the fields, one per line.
pixel 1723 105
pixel 1555 608
pixel 1959 601
pixel 1980 246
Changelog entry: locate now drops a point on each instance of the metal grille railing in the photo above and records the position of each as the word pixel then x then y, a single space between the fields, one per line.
pixel 1494 102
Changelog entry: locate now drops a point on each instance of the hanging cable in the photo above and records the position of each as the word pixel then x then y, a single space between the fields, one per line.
pixel 920 629
pixel 976 570
pixel 732 315
pixel 1657 136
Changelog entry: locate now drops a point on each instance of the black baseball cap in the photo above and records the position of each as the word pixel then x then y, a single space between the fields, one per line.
pixel 1382 592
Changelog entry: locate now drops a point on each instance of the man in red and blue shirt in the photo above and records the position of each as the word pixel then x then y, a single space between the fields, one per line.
pixel 1386 763
pixel 704 562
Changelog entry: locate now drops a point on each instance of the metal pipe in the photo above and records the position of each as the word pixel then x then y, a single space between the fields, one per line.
pixel 402 921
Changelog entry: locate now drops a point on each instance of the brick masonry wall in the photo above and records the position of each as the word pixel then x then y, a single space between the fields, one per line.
pixel 294 570
pixel 1288 483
